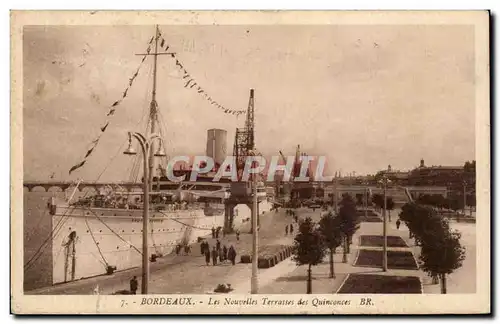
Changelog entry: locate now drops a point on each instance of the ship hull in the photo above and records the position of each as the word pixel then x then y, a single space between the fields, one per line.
pixel 88 240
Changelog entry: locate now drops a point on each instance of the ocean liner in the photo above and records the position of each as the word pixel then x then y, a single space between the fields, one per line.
pixel 103 233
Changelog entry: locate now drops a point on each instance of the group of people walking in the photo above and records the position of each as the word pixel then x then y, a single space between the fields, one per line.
pixel 289 228
pixel 218 253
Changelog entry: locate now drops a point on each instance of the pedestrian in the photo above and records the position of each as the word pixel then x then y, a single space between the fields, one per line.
pixel 214 256
pixel 224 253
pixel 213 232
pixel 133 285
pixel 178 249
pixel 232 254
pixel 187 249
pixel 286 230
pixel 398 223
pixel 217 232
pixel 237 235
pixel 202 248
pixel 217 245
pixel 207 255
pixel 291 228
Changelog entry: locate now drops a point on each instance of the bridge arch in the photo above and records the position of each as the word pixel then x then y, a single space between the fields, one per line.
pixel 55 188
pixel 88 190
pixel 37 188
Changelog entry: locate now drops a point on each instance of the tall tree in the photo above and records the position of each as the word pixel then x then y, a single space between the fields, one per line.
pixel 441 252
pixel 330 228
pixel 378 200
pixel 308 248
pixel 389 206
pixel 348 222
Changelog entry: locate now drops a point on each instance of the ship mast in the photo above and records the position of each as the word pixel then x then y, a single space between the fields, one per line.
pixel 153 111
pixel 153 107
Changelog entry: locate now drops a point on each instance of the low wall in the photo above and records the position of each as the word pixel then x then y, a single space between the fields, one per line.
pixel 269 256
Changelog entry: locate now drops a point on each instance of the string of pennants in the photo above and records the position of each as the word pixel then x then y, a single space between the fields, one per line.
pixel 111 111
pixel 190 83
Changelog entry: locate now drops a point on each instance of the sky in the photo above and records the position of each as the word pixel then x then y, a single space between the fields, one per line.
pixel 363 96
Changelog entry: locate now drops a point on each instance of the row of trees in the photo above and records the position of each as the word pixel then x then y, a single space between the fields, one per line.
pixel 314 240
pixel 441 251
pixel 378 201
pixel 454 202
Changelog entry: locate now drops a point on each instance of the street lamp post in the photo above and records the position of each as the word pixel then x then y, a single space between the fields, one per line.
pixel 464 183
pixel 384 216
pixel 366 203
pixel 145 146
pixel 254 289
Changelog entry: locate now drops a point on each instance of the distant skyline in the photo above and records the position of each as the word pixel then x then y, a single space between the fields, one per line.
pixel 364 96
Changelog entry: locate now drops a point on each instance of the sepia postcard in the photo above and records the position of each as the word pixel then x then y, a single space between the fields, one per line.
pixel 250 162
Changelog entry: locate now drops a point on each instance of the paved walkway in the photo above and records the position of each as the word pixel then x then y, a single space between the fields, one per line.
pixel 292 278
pixel 174 274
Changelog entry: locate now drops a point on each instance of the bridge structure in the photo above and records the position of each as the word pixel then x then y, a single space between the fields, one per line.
pixel 82 186
pixel 328 187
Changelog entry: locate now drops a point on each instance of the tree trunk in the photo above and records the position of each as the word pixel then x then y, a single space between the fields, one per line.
pixel 443 283
pixel 309 281
pixel 348 245
pixel 332 270
pixel 344 257
pixel 389 212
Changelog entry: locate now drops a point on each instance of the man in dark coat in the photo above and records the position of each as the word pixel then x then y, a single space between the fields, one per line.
pixel 213 232
pixel 206 253
pixel 133 285
pixel 231 254
pixel 214 256
pixel 202 247
pixel 224 253
pixel 291 228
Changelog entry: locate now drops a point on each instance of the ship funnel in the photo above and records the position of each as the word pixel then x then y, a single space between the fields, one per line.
pixel 216 145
